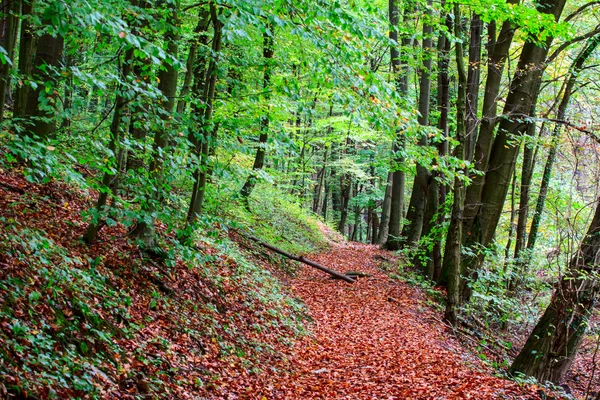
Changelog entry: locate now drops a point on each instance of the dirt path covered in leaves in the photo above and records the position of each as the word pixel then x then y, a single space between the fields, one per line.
pixel 377 339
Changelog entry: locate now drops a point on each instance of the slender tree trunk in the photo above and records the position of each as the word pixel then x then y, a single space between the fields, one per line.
pixel 48 54
pixel 346 195
pixel 418 199
pixel 498 53
pixel 385 211
pixel 317 201
pixel 27 45
pixel 204 115
pixel 553 343
pixel 511 224
pixel 519 103
pixel 109 177
pixel 529 157
pixel 399 69
pixel 326 197
pixel 561 114
pixel 7 41
pixel 453 249
pixel 443 102
pixel 167 85
pixel 473 82
pixel 199 40
pixel 259 160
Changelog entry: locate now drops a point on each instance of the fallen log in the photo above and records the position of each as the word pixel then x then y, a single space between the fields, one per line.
pixel 300 259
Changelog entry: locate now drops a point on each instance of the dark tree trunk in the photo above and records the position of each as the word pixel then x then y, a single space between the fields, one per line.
pixel 416 208
pixel 384 225
pixel 453 249
pixel 259 160
pixel 317 199
pixel 399 69
pixel 8 40
pixel 529 157
pixel 48 54
pixel 374 218
pixel 519 104
pixel 109 179
pixel 204 115
pixel 200 40
pixel 167 85
pixel 27 45
pixel 346 195
pixel 498 52
pixel 591 45
pixel 443 101
pixel 553 343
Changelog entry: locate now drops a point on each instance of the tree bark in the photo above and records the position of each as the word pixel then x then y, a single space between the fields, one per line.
pixel 48 54
pixel 443 101
pixel 201 141
pixel 382 233
pixel 561 114
pixel 259 160
pixel 8 41
pixel 553 343
pixel 399 69
pixel 167 85
pixel 498 52
pixel 27 44
pixel 317 200
pixel 453 249
pixel 109 177
pixel 416 208
pixel 302 260
pixel 519 103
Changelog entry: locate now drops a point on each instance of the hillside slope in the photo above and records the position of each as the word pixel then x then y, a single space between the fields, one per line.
pixel 105 320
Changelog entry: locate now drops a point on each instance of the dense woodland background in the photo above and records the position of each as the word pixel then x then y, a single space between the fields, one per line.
pixel 462 134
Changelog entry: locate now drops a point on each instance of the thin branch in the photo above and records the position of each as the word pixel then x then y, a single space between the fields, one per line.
pixel 566 44
pixel 580 10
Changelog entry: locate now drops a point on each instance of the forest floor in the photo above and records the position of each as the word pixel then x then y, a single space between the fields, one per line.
pixel 377 339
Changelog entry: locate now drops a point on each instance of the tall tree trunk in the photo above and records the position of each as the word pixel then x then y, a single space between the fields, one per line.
pixel 418 199
pixel 471 123
pixel 553 343
pixel 110 176
pixel 498 53
pixel 48 54
pixel 473 82
pixel 200 40
pixel 453 249
pixel 399 69
pixel 8 40
pixel 326 197
pixel 385 211
pixel 167 85
pixel 519 103
pixel 259 160
pixel 27 44
pixel 529 157
pixel 561 114
pixel 443 102
pixel 204 115
pixel 317 200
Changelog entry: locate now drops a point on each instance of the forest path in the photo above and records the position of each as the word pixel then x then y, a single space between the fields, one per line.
pixel 378 339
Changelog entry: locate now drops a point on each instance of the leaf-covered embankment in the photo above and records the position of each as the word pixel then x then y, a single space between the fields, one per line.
pixel 107 321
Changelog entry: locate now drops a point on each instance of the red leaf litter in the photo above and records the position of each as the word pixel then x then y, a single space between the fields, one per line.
pixel 373 339
pixel 376 339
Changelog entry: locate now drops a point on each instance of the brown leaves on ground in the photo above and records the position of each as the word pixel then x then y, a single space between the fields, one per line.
pixel 377 339
pixel 206 334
